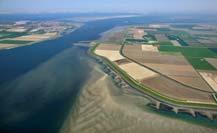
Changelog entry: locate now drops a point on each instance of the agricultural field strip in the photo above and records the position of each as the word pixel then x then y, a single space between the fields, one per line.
pixel 190 51
pixel 150 48
pixel 172 89
pixel 193 47
pixel 14 42
pixel 137 72
pixel 35 37
pixel 110 54
pixel 134 70
pixel 212 61
pixel 149 92
pixel 121 51
pixel 195 55
pixel 210 78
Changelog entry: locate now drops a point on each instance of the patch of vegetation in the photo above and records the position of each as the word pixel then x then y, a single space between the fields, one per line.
pixel 165 43
pixel 213 50
pixel 40 32
pixel 177 38
pixel 136 40
pixel 190 51
pixel 200 63
pixel 5 34
pixel 172 37
pixel 187 26
pixel 150 37
pixel 11 34
pixel 14 42
pixel 163 29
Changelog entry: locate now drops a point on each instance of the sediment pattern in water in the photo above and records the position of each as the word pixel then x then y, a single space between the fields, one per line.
pixel 104 108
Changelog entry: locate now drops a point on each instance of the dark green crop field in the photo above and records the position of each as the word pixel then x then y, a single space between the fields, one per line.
pixel 200 63
pixel 14 42
pixel 5 34
pixel 136 40
pixel 190 51
pixel 177 38
pixel 165 43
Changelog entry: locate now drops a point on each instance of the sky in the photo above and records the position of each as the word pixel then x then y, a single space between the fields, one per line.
pixel 111 6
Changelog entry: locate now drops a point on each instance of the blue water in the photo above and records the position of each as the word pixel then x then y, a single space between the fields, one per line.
pixel 39 83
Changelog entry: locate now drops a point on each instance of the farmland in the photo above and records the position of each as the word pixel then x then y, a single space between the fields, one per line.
pixel 154 80
pixel 6 34
pixel 165 63
pixel 30 32
pixel 21 40
pixel 14 42
pixel 196 56
pixel 189 51
pixel 174 67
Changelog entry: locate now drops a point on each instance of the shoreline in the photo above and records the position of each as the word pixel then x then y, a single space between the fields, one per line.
pixel 113 74
pixel 102 106
pixel 128 79
pixel 67 31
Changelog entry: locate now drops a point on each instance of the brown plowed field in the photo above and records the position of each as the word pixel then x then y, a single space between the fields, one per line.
pixel 195 82
pixel 173 90
pixel 108 47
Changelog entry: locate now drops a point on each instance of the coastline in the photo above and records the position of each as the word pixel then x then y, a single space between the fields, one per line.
pixel 104 107
pixel 67 31
pixel 185 115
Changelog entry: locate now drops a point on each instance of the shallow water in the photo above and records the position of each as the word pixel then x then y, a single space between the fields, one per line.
pixel 103 107
pixel 39 83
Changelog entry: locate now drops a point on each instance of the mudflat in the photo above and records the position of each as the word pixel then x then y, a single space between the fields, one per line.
pixel 103 107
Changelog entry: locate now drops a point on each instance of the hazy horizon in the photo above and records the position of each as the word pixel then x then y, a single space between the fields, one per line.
pixel 109 6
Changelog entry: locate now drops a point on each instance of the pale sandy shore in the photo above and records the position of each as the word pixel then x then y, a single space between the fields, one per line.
pixel 104 108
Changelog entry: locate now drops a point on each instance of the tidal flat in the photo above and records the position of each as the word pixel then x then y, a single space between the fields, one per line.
pixel 103 107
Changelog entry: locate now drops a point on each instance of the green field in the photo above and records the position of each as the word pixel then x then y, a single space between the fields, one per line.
pixel 165 43
pixel 5 34
pixel 177 38
pixel 164 29
pixel 14 42
pixel 200 63
pixel 194 55
pixel 186 26
pixel 189 51
pixel 136 40
pixel 149 37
